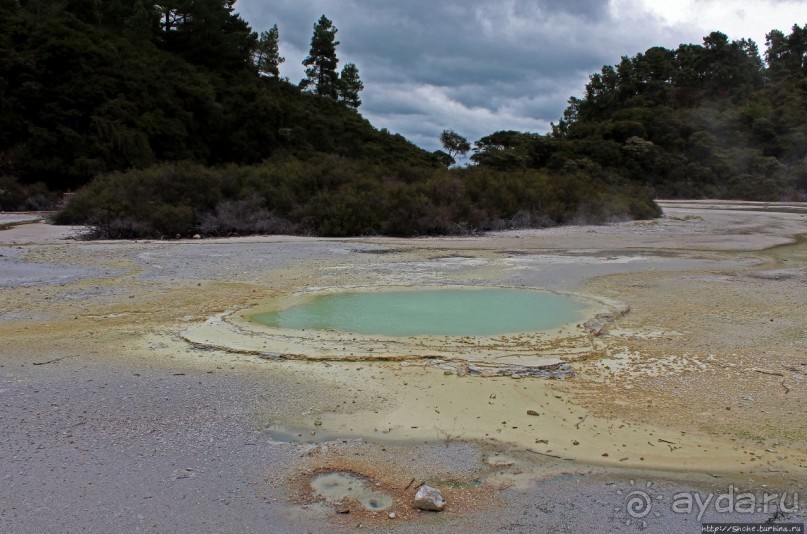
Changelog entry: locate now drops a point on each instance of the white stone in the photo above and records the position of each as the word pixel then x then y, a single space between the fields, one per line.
pixel 429 498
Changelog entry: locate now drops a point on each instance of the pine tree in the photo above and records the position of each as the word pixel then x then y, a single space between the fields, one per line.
pixel 350 85
pixel 321 61
pixel 267 54
pixel 205 32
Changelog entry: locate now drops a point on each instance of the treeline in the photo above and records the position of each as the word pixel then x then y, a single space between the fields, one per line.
pixel 330 195
pixel 174 120
pixel 89 87
pixel 702 121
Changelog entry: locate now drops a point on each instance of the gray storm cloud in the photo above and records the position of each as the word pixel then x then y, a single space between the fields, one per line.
pixel 474 66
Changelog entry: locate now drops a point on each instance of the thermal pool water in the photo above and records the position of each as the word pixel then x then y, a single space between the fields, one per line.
pixel 429 312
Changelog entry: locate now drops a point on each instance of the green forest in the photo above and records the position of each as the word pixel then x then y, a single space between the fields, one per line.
pixel 172 119
pixel 703 121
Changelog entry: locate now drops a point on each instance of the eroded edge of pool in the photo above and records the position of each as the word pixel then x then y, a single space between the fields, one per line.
pixel 543 353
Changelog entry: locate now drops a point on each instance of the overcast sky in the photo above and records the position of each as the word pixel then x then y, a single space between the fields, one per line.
pixel 480 66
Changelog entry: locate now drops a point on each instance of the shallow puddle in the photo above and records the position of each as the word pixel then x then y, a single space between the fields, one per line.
pixel 298 434
pixel 339 486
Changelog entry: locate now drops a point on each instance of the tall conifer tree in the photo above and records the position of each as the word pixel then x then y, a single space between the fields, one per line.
pixel 321 62
pixel 267 53
pixel 350 85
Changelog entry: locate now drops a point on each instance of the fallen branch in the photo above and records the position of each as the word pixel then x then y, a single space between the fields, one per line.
pixel 410 484
pixel 771 373
pixel 787 389
pixel 549 455
pixel 51 361
pixel 448 437
pixel 580 422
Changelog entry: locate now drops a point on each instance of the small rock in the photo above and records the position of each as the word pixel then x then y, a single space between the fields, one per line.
pixel 197 236
pixel 429 498
pixel 532 412
pixel 343 510
pixel 594 327
pixel 605 317
pixel 271 356
pixel 392 515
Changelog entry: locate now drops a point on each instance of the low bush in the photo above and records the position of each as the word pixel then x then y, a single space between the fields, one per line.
pixel 331 196
pixel 15 196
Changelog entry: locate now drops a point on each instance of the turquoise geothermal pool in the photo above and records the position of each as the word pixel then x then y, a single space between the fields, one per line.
pixel 435 312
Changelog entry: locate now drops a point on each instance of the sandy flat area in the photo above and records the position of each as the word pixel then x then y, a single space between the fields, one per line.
pixel 134 400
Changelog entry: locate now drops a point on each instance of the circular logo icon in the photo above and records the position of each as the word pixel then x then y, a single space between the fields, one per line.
pixel 638 504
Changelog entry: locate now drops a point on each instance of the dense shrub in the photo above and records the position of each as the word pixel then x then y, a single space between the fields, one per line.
pixel 25 197
pixel 332 196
